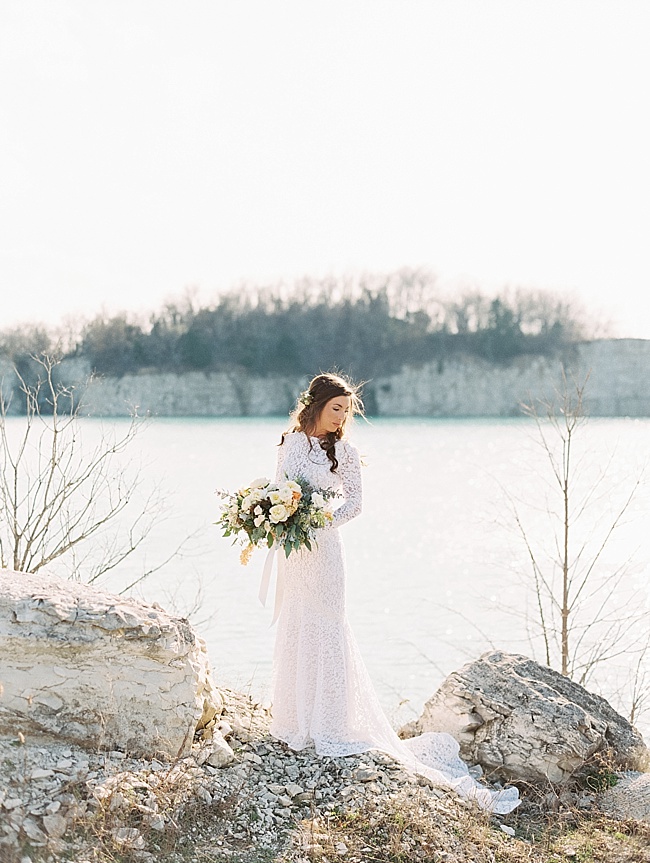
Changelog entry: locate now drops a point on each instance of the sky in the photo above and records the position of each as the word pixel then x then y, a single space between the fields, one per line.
pixel 148 146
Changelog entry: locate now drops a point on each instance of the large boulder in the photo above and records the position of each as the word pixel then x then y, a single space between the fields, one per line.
pixel 100 670
pixel 522 721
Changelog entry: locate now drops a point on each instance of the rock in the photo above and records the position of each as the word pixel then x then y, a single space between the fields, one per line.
pixel 306 797
pixel 128 837
pixel 365 774
pixel 39 773
pixel 240 731
pixel 33 831
pixel 293 790
pixel 12 803
pixel 225 728
pixel 221 755
pixel 523 721
pixel 10 836
pixel 103 671
pixel 155 822
pixel 55 825
pixel 204 795
pixel 629 798
pixel 509 831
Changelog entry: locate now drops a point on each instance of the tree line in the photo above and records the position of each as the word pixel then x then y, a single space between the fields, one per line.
pixel 366 326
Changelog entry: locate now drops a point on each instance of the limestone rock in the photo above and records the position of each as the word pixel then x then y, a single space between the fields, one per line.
pixel 523 721
pixel 55 825
pixel 103 671
pixel 221 755
pixel 629 798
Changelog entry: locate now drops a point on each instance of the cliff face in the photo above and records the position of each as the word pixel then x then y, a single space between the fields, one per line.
pixel 619 385
pixel 198 394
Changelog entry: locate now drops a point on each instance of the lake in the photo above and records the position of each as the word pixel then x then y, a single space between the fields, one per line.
pixel 436 570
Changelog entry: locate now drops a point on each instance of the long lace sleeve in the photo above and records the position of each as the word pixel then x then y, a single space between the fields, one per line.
pixel 350 472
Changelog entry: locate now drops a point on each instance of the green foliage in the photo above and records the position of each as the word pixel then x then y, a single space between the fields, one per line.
pixel 368 327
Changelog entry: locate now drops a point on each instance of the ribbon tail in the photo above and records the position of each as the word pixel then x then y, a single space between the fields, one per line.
pixel 266 576
pixel 279 589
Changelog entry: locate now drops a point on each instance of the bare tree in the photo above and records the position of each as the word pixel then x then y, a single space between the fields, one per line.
pixel 587 610
pixel 60 502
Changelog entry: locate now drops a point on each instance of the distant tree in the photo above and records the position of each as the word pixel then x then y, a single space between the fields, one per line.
pixel 113 345
pixel 369 325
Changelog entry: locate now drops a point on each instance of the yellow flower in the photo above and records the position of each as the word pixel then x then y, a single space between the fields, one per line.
pixel 245 555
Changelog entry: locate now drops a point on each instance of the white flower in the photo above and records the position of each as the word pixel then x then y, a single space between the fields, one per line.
pixel 318 500
pixel 294 486
pixel 247 503
pixel 258 510
pixel 286 495
pixel 278 513
pixel 259 520
pixel 275 497
pixel 262 482
pixel 267 526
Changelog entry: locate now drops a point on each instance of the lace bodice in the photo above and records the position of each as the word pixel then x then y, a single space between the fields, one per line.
pixel 300 456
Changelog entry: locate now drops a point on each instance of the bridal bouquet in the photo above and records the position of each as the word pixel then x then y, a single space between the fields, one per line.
pixel 285 514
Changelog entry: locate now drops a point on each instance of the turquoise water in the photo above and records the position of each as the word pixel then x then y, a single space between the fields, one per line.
pixel 436 572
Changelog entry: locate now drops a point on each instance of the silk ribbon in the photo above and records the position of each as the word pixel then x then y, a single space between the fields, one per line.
pixel 279 582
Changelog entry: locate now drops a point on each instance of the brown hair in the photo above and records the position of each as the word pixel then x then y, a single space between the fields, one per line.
pixel 304 417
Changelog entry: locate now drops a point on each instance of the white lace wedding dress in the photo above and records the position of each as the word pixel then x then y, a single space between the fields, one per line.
pixel 322 693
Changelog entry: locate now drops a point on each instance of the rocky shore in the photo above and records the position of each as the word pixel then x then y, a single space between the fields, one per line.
pixel 60 802
pixel 211 784
pixel 264 802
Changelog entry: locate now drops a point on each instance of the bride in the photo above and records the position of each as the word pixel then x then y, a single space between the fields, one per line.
pixel 322 694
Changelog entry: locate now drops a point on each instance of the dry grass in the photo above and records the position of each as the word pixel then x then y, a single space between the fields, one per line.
pixel 413 830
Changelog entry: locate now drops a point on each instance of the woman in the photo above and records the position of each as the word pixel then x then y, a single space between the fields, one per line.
pixel 322 692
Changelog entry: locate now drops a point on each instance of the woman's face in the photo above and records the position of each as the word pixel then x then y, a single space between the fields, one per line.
pixel 334 414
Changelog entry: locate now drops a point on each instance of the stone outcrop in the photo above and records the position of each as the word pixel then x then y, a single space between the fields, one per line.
pixel 455 386
pixel 99 670
pixel 201 394
pixel 522 721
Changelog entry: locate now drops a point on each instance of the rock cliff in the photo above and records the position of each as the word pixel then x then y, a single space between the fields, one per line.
pixel 459 386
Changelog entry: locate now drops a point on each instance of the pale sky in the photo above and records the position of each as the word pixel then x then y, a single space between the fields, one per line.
pixel 149 145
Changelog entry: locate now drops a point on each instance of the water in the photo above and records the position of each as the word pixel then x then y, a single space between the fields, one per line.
pixel 436 574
